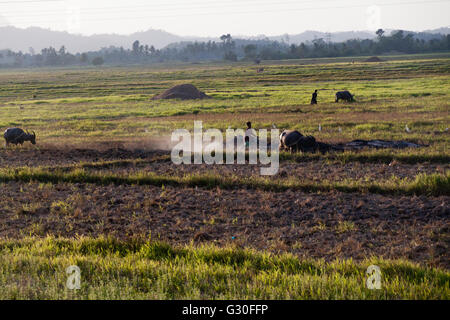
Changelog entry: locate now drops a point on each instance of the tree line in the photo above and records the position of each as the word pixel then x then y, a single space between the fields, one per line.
pixel 228 49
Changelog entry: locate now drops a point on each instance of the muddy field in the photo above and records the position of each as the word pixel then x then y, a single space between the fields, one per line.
pixel 319 225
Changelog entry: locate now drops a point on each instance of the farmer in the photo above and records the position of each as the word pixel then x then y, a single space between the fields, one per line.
pixel 314 97
pixel 249 133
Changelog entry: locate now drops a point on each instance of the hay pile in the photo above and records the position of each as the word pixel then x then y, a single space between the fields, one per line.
pixel 374 59
pixel 182 91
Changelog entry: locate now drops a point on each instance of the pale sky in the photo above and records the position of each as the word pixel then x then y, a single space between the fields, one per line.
pixel 213 17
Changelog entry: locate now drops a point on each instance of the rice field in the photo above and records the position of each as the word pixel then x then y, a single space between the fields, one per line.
pixel 99 190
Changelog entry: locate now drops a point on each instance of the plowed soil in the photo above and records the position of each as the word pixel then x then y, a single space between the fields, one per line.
pixel 312 225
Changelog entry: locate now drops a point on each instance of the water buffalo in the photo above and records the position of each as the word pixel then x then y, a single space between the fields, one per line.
pixel 292 140
pixel 18 136
pixel 344 95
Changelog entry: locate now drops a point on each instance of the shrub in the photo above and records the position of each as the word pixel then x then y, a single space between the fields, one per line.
pixel 98 61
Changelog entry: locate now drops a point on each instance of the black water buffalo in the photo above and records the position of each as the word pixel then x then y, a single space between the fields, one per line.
pixel 344 95
pixel 18 136
pixel 292 140
pixel 289 138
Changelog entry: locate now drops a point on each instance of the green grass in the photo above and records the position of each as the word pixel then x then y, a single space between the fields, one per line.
pixel 34 268
pixel 427 184
pixel 115 102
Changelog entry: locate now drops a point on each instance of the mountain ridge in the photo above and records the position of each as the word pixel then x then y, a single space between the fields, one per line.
pixel 18 39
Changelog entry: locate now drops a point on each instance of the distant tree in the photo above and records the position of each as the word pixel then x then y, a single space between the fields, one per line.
pixel 98 61
pixel 84 58
pixel 228 42
pixel 398 35
pixel 136 47
pixel 51 56
pixel 225 38
pixel 302 50
pixel 320 47
pixel 230 56
pixel 379 33
pixel 228 46
pixel 250 51
pixel 229 49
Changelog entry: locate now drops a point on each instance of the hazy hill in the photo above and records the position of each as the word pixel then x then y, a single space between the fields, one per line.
pixel 38 38
pixel 334 37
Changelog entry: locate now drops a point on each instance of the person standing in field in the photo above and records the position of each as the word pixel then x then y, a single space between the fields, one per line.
pixel 314 97
pixel 249 133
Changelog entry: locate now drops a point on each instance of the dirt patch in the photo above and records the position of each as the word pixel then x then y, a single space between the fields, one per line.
pixel 374 59
pixel 55 157
pixel 55 154
pixel 309 225
pixel 328 225
pixel 182 91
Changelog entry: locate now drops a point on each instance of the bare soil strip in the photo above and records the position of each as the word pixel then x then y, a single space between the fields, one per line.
pixel 321 225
